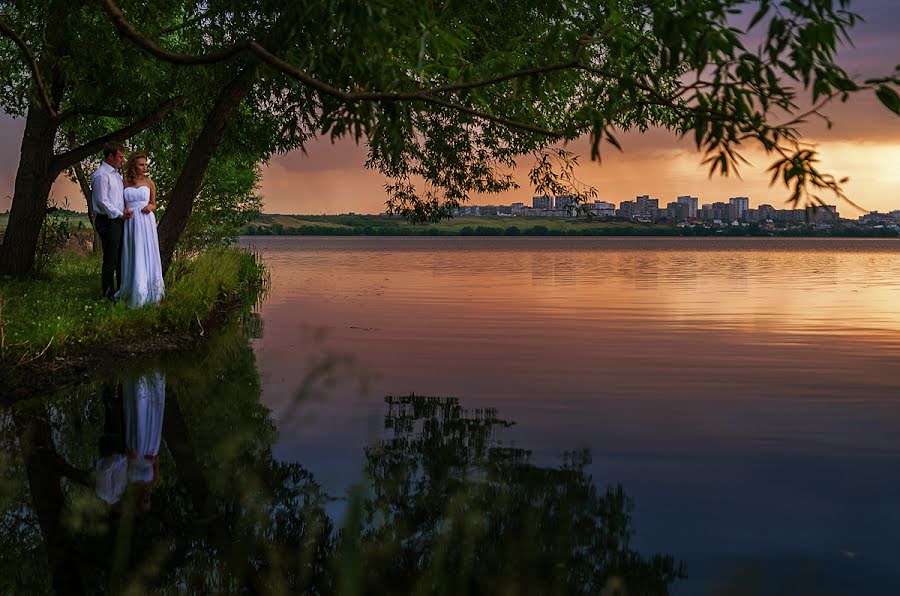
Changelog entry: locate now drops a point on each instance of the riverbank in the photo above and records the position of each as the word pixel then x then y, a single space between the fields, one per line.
pixel 379 225
pixel 58 325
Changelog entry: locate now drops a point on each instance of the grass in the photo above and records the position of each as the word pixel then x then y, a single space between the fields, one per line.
pixel 348 223
pixel 73 216
pixel 63 310
pixel 292 221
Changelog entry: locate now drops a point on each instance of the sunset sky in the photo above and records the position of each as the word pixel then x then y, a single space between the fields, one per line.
pixel 864 144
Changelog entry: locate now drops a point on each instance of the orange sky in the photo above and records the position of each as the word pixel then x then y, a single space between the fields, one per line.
pixel 864 144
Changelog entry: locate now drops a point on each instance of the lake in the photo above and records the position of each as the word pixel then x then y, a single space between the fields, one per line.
pixel 732 405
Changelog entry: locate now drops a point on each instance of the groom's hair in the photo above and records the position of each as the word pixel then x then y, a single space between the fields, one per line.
pixel 111 148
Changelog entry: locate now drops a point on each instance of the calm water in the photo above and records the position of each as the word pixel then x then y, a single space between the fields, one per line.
pixel 746 393
pixel 473 416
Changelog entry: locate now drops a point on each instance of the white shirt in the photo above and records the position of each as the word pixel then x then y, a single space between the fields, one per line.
pixel 108 191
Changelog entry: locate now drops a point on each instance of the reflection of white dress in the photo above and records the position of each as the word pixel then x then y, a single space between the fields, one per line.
pixel 142 280
pixel 111 477
pixel 145 400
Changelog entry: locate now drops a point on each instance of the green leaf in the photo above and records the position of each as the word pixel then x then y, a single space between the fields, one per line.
pixel 760 14
pixel 889 98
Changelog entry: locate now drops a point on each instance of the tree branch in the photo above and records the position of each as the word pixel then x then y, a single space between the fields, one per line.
pixel 126 29
pixel 67 114
pixel 67 159
pixel 423 96
pixel 32 64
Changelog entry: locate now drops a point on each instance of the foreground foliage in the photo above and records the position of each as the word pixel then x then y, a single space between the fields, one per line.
pixel 62 310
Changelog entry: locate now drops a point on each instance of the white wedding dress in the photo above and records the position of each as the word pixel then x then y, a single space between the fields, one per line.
pixel 142 279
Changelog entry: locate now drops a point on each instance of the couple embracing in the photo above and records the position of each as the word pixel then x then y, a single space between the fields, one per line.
pixel 124 219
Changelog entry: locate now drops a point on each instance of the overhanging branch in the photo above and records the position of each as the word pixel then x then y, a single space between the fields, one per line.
pixel 127 30
pixel 67 159
pixel 87 111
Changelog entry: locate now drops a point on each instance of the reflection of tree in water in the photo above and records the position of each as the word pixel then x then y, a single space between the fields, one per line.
pixel 449 510
pixel 453 511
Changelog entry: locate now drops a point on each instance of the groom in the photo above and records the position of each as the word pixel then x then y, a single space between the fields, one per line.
pixel 108 197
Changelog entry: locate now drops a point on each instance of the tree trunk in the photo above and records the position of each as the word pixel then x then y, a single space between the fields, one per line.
pixel 36 171
pixel 180 201
pixel 33 181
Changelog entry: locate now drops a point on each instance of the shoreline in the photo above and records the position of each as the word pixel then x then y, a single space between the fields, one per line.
pixel 77 365
pixel 56 332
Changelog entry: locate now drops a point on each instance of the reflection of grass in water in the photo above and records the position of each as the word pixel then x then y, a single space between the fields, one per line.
pixel 446 507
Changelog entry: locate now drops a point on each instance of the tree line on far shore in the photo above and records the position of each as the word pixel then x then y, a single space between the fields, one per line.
pixel 538 230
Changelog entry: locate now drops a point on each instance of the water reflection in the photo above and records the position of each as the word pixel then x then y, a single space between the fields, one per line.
pixel 443 505
pixel 129 447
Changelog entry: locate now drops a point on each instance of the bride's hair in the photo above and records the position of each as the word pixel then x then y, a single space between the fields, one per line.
pixel 131 173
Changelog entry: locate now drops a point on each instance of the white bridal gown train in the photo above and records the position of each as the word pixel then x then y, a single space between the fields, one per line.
pixel 142 280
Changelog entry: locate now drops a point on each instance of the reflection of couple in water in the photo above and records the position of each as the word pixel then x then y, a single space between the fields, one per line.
pixel 129 447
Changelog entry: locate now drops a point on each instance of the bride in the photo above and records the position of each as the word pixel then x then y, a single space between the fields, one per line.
pixel 142 280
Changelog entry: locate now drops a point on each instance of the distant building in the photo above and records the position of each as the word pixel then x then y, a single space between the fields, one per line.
pixel 691 203
pixel 822 214
pixel 766 212
pixel 601 208
pixel 741 205
pixel 544 202
pixel 790 216
pixel 718 211
pixel 646 202
pixel 487 210
pixel 646 208
pixel 626 209
pixel 677 211
pixel 565 203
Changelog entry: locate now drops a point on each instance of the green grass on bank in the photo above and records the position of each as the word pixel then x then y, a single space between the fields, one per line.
pixel 45 316
pixel 75 219
pixel 380 225
pixel 376 225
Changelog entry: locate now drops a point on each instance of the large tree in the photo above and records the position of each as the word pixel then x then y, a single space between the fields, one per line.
pixel 210 152
pixel 61 63
pixel 447 95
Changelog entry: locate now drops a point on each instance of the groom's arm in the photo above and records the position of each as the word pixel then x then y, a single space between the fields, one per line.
pixel 102 192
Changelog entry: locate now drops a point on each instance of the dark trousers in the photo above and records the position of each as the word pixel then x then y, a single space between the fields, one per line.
pixel 110 231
